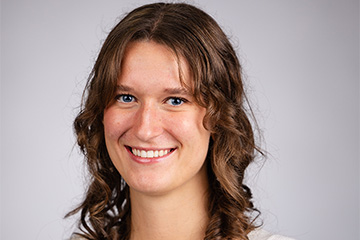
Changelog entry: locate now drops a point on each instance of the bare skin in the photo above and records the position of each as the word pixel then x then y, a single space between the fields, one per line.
pixel 179 216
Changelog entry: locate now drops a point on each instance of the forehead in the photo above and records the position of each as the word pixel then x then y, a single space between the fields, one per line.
pixel 149 59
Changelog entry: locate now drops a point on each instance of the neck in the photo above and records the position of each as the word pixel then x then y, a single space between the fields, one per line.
pixel 182 214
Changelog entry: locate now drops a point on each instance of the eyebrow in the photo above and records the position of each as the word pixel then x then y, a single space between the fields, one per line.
pixel 124 88
pixel 179 90
pixel 176 90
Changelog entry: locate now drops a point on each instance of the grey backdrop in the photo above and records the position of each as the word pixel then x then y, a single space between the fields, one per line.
pixel 301 60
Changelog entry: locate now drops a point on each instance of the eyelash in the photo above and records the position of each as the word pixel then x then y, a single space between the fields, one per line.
pixel 120 96
pixel 183 100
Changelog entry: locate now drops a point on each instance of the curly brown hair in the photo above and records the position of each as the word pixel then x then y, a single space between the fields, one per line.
pixel 218 86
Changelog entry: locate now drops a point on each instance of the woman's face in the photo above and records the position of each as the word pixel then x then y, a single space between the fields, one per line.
pixel 154 130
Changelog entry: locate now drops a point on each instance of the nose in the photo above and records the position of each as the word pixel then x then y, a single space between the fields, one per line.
pixel 147 123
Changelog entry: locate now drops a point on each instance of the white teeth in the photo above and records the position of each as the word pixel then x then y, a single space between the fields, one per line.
pixel 150 153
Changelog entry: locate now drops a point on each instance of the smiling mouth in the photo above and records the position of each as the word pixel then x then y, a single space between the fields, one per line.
pixel 150 153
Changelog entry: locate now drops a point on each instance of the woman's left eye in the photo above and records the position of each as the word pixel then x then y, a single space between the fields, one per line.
pixel 174 101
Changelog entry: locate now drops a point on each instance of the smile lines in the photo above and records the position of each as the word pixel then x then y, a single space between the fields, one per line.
pixel 150 153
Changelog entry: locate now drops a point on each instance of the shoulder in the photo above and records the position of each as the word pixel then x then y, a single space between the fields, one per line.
pixel 258 234
pixel 261 234
pixel 77 237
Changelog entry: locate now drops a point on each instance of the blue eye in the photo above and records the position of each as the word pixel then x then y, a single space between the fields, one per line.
pixel 174 101
pixel 125 98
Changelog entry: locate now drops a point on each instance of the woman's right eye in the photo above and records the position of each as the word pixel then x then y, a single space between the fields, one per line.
pixel 125 98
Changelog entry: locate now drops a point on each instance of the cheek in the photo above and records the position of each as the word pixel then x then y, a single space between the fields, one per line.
pixel 114 123
pixel 188 126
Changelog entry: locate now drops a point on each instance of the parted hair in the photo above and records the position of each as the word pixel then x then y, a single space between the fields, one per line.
pixel 192 34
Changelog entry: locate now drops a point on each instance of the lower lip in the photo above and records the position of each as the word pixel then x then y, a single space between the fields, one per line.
pixel 148 160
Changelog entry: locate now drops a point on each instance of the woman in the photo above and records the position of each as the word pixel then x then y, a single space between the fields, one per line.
pixel 165 132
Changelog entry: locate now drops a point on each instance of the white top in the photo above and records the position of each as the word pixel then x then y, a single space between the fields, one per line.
pixel 261 234
pixel 258 234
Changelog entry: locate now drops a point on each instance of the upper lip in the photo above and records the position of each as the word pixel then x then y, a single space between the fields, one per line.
pixel 150 148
